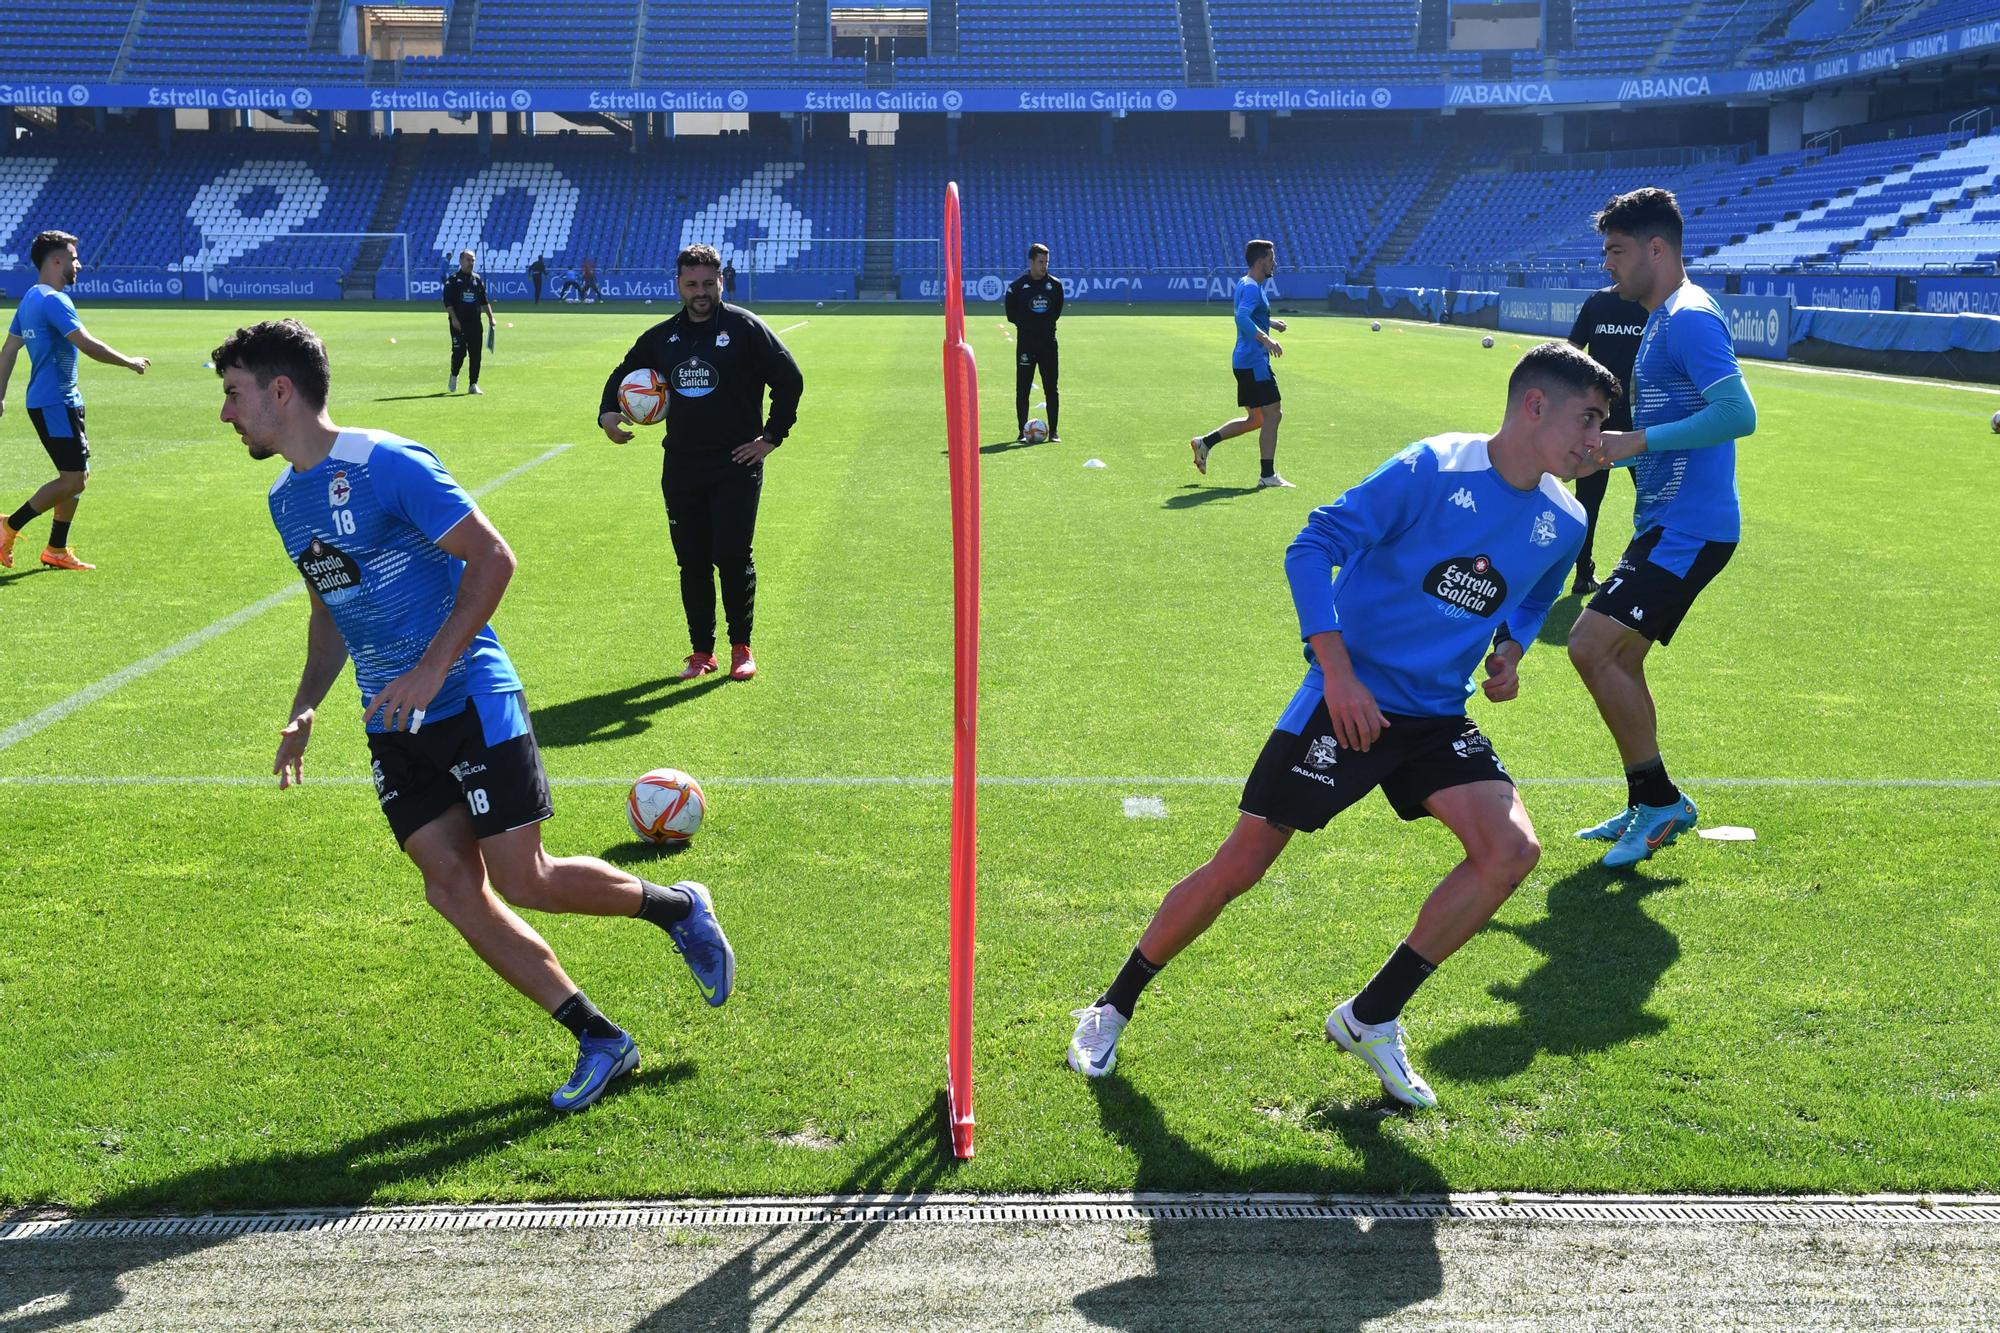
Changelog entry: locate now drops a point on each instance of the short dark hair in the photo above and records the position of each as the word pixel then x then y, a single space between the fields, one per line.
pixel 1037 249
pixel 1256 250
pixel 1642 215
pixel 47 244
pixel 697 256
pixel 1559 365
pixel 279 347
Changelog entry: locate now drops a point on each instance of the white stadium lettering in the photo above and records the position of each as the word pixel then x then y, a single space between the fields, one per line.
pixel 548 231
pixel 228 234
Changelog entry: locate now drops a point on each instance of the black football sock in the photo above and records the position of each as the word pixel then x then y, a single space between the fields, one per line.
pixel 664 906
pixel 1212 439
pixel 1132 979
pixel 1267 467
pixel 582 1018
pixel 1385 995
pixel 1648 784
pixel 23 516
pixel 59 533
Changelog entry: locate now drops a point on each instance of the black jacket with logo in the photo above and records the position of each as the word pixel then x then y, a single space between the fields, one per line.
pixel 1033 306
pixel 465 296
pixel 1608 327
pixel 717 370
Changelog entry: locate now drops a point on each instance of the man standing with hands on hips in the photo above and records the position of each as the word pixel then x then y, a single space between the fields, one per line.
pixel 717 360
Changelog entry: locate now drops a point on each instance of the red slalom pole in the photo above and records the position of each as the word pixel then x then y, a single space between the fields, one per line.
pixel 961 406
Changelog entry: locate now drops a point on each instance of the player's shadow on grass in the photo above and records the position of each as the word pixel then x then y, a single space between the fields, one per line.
pixel 1555 630
pixel 1602 955
pixel 76 1282
pixel 1267 1274
pixel 616 714
pixel 415 397
pixel 1003 446
pixel 1194 493
pixel 776 1273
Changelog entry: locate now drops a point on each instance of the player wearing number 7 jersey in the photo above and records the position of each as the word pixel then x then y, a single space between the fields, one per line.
pixel 403 572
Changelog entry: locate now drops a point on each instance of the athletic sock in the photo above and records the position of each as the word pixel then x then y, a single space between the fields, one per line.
pixel 1267 467
pixel 23 516
pixel 1132 979
pixel 1648 784
pixel 1212 439
pixel 1384 997
pixel 59 533
pixel 664 906
pixel 582 1018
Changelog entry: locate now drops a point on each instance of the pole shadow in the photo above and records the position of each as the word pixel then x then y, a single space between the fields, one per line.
pixel 86 1280
pixel 1602 955
pixel 1003 446
pixel 1194 493
pixel 1277 1275
pixel 776 1275
pixel 616 714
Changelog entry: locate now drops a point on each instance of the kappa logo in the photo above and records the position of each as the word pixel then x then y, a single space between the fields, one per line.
pixel 1463 499
pixel 673 337
pixel 1638 613
pixel 381 779
pixel 1323 753
pixel 339 491
pixel 1545 529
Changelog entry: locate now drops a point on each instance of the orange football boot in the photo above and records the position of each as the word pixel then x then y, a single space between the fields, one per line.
pixel 62 557
pixel 698 664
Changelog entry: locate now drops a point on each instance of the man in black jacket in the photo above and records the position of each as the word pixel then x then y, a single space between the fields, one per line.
pixel 1034 303
pixel 1608 327
pixel 717 360
pixel 464 299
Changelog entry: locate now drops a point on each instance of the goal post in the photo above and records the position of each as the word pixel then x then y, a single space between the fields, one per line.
pixel 842 268
pixel 273 259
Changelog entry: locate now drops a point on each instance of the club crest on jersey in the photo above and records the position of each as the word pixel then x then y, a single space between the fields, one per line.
pixel 695 378
pixel 339 491
pixel 722 339
pixel 1545 529
pixel 1468 583
pixel 1323 753
pixel 331 572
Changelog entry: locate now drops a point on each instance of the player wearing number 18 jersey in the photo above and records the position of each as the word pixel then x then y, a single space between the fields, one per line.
pixel 403 572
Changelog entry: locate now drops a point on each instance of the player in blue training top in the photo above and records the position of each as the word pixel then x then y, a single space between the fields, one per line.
pixel 47 325
pixel 1256 386
pixel 1450 554
pixel 1691 407
pixel 403 572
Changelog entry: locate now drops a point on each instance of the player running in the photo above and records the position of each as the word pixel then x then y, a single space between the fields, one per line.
pixel 1692 406
pixel 1608 327
pixel 1034 304
pixel 464 299
pixel 1450 553
pixel 1256 386
pixel 47 325
pixel 404 572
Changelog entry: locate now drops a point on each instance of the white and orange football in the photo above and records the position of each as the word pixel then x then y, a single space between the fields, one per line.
pixel 665 807
pixel 642 396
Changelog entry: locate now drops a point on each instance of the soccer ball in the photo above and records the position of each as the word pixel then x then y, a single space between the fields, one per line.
pixel 665 807
pixel 1485 342
pixel 1375 326
pixel 819 305
pixel 1035 431
pixel 643 396
pixel 1996 423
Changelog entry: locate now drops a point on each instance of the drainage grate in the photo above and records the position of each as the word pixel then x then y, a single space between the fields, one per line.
pixel 940 1210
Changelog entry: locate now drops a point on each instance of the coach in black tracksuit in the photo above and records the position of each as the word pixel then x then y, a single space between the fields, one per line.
pixel 1608 327
pixel 717 361
pixel 464 301
pixel 1034 304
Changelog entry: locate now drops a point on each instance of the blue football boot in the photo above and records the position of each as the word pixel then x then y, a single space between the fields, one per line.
pixel 598 1061
pixel 701 942
pixel 1652 827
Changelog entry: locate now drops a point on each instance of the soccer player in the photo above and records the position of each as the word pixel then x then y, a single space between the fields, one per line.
pixel 539 272
pixel 47 325
pixel 404 571
pixel 464 299
pixel 717 360
pixel 1256 386
pixel 1691 407
pixel 1451 553
pixel 1034 304
pixel 1608 327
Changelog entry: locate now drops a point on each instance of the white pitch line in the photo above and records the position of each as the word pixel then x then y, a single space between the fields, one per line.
pixel 96 690
pixel 1801 369
pixel 789 327
pixel 941 780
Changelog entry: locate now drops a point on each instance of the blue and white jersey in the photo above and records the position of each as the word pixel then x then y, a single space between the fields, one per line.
pixel 43 323
pixel 1436 552
pixel 1253 316
pixel 1685 350
pixel 363 528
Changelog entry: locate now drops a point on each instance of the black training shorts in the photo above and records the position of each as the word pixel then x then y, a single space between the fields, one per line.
pixel 1302 781
pixel 61 429
pixel 1657 580
pixel 1254 392
pixel 419 775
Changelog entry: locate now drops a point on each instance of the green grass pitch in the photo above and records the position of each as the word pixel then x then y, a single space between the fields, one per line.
pixel 217 994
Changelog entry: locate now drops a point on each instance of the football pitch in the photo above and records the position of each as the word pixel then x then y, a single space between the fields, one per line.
pixel 222 995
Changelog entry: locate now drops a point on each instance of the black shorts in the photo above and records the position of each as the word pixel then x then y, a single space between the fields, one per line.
pixel 61 429
pixel 1302 781
pixel 1657 579
pixel 422 774
pixel 1253 392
